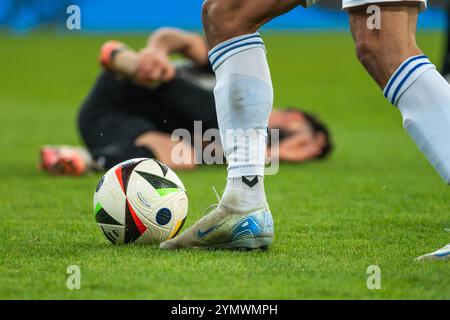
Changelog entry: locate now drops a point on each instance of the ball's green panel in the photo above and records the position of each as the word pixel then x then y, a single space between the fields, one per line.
pixel 165 191
pixel 101 216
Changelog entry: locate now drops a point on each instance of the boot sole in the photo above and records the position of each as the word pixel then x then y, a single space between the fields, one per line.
pixel 243 244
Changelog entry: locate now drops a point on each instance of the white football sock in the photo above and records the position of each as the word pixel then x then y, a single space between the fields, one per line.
pixel 242 197
pixel 423 97
pixel 244 98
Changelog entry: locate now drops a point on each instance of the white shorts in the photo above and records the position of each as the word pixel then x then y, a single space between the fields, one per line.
pixel 355 3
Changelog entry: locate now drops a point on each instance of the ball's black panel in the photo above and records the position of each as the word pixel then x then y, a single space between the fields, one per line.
pixel 127 170
pixel 100 183
pixel 157 182
pixel 132 232
pixel 104 218
pixel 163 216
pixel 111 235
pixel 163 167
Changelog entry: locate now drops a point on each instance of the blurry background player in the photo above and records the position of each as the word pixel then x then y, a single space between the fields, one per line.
pixel 143 97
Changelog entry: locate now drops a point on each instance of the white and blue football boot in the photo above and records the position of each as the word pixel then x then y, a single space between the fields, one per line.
pixel 441 254
pixel 224 228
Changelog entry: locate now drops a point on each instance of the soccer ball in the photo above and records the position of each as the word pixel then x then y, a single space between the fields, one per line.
pixel 140 201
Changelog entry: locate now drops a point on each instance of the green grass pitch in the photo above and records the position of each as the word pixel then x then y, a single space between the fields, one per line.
pixel 375 202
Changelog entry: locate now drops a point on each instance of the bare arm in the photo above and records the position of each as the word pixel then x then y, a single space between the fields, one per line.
pixel 188 44
pixel 152 64
pixel 154 60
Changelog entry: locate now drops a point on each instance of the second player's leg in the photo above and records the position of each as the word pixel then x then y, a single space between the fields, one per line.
pixel 408 79
pixel 410 82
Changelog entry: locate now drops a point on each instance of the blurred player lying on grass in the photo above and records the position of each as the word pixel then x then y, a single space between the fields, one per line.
pixel 130 115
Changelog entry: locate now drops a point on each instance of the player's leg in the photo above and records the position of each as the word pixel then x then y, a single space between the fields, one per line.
pixel 77 161
pixel 410 81
pixel 446 67
pixel 244 93
pixel 382 51
pixel 244 98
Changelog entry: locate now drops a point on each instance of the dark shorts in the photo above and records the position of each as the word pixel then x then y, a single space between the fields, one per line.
pixel 104 118
pixel 117 111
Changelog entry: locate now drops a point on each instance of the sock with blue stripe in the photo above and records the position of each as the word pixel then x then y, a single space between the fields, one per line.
pixel 423 97
pixel 244 98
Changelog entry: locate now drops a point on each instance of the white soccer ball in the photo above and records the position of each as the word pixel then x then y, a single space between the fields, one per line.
pixel 140 201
